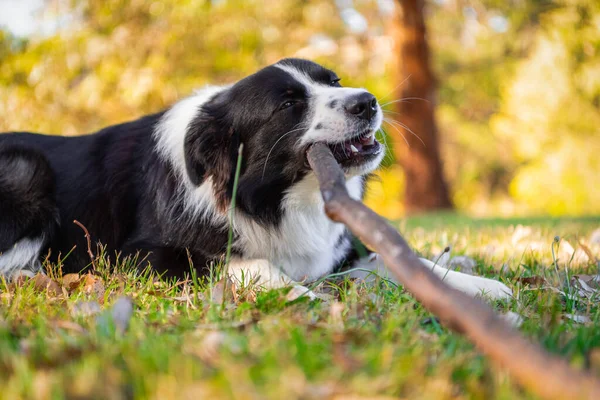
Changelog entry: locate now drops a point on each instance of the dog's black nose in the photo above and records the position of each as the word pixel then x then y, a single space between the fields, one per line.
pixel 362 105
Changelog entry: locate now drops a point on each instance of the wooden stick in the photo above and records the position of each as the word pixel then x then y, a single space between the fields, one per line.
pixel 544 374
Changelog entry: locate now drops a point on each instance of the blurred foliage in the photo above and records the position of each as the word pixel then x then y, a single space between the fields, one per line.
pixel 519 80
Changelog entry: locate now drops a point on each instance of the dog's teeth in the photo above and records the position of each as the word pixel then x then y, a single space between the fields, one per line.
pixel 354 149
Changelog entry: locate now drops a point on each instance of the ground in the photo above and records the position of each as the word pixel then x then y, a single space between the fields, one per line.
pixel 71 336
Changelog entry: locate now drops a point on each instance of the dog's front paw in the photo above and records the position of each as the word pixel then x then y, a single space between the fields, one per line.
pixel 470 284
pixel 369 268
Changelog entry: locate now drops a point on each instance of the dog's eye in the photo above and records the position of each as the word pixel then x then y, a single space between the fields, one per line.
pixel 287 104
pixel 335 82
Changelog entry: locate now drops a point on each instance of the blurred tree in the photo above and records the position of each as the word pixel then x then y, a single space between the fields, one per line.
pixel 550 113
pixel 425 187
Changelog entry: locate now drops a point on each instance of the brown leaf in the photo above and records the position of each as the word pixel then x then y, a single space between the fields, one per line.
pixel 93 285
pixel 43 283
pixel 71 281
pixel 593 281
pixel 217 292
pixel 223 291
pixel 588 286
pixel 531 280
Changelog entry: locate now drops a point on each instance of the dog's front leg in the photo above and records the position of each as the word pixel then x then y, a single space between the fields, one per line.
pixel 263 273
pixel 372 266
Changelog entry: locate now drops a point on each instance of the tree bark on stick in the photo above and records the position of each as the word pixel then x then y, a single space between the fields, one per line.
pixel 425 188
pixel 544 374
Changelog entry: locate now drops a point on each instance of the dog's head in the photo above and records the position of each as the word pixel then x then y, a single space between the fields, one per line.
pixel 277 113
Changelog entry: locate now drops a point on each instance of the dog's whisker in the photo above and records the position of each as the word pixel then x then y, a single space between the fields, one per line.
pixel 397 86
pixel 400 132
pixel 396 123
pixel 404 99
pixel 383 136
pixel 273 147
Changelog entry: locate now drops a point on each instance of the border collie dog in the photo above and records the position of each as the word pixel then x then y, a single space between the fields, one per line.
pixel 161 186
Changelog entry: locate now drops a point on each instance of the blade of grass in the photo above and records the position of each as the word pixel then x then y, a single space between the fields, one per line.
pixel 238 168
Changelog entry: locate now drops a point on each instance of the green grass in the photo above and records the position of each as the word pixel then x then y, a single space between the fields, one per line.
pixel 364 342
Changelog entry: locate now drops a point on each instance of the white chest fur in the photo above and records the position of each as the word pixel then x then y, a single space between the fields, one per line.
pixel 306 244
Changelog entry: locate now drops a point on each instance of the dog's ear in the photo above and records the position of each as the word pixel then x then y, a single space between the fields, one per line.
pixel 210 150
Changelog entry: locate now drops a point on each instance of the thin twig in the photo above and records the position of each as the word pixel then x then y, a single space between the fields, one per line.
pixel 89 243
pixel 544 374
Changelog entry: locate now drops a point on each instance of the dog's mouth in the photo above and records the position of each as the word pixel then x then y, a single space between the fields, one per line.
pixel 362 148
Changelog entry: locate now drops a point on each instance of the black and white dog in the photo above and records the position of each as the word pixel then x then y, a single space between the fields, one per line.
pixel 161 186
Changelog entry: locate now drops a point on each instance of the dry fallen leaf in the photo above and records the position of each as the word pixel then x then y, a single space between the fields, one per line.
pixel 531 280
pixel 592 281
pixel 93 285
pixel 71 281
pixel 588 286
pixel 222 290
pixel 43 283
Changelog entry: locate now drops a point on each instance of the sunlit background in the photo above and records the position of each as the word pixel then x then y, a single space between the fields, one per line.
pixel 517 83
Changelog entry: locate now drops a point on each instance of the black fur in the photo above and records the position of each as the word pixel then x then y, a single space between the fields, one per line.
pixel 26 196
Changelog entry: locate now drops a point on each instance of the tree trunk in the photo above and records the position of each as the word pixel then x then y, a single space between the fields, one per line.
pixel 426 189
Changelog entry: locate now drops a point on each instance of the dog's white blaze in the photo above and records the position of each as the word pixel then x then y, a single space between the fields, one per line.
pixel 328 124
pixel 173 126
pixel 23 255
pixel 170 138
